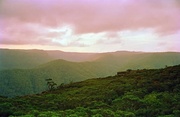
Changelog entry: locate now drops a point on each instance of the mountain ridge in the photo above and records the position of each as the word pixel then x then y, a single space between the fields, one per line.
pixel 26 59
pixel 16 82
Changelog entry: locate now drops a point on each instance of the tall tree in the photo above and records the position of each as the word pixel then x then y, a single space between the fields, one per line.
pixel 51 84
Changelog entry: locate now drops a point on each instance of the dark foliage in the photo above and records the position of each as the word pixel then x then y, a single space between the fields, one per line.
pixel 141 93
pixel 51 84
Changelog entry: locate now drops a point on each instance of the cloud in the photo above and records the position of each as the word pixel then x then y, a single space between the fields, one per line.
pixel 77 43
pixel 110 38
pixel 95 16
pixel 29 21
pixel 22 33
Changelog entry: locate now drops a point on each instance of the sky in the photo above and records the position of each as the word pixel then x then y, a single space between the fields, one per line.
pixel 90 25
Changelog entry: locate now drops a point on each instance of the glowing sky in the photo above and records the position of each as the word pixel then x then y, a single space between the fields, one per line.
pixel 90 25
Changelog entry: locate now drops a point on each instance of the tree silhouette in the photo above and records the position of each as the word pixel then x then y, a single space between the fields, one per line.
pixel 51 84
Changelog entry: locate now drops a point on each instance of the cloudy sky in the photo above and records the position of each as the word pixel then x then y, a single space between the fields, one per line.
pixel 90 25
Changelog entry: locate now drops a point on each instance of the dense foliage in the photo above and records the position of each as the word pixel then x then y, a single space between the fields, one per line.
pixel 142 93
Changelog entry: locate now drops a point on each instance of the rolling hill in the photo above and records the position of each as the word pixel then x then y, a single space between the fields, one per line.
pixel 22 59
pixel 132 93
pixel 73 56
pixel 26 59
pixel 15 82
pixel 28 81
pixel 140 60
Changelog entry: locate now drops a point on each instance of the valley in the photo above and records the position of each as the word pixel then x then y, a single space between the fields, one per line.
pixel 134 93
pixel 28 77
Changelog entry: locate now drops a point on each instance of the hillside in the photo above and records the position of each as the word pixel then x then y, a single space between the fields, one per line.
pixel 25 59
pixel 73 56
pixel 11 59
pixel 16 82
pixel 28 59
pixel 140 60
pixel 28 81
pixel 147 92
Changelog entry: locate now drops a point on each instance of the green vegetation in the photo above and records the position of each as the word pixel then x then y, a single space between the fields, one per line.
pixel 51 84
pixel 134 93
pixel 17 82
pixel 22 59
pixel 25 59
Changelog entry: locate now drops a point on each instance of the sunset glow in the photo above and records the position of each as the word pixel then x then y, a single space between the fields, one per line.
pixel 90 25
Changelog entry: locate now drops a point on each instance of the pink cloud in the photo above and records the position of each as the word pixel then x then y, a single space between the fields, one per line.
pixel 110 38
pixel 86 16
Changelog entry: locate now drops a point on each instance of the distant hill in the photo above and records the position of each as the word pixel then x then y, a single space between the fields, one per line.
pixel 28 81
pixel 73 56
pixel 11 59
pixel 25 59
pixel 42 65
pixel 132 93
pixel 140 60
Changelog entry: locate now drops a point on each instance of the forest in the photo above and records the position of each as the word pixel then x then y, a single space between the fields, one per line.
pixel 132 93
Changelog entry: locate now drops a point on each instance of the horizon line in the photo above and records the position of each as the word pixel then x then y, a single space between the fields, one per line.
pixel 89 51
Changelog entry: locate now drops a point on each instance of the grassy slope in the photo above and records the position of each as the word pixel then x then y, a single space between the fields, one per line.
pixel 139 93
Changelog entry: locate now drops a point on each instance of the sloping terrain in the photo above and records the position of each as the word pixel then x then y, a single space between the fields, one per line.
pixel 16 82
pixel 73 56
pixel 25 59
pixel 141 93
pixel 140 60
pixel 11 59
pixel 28 81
